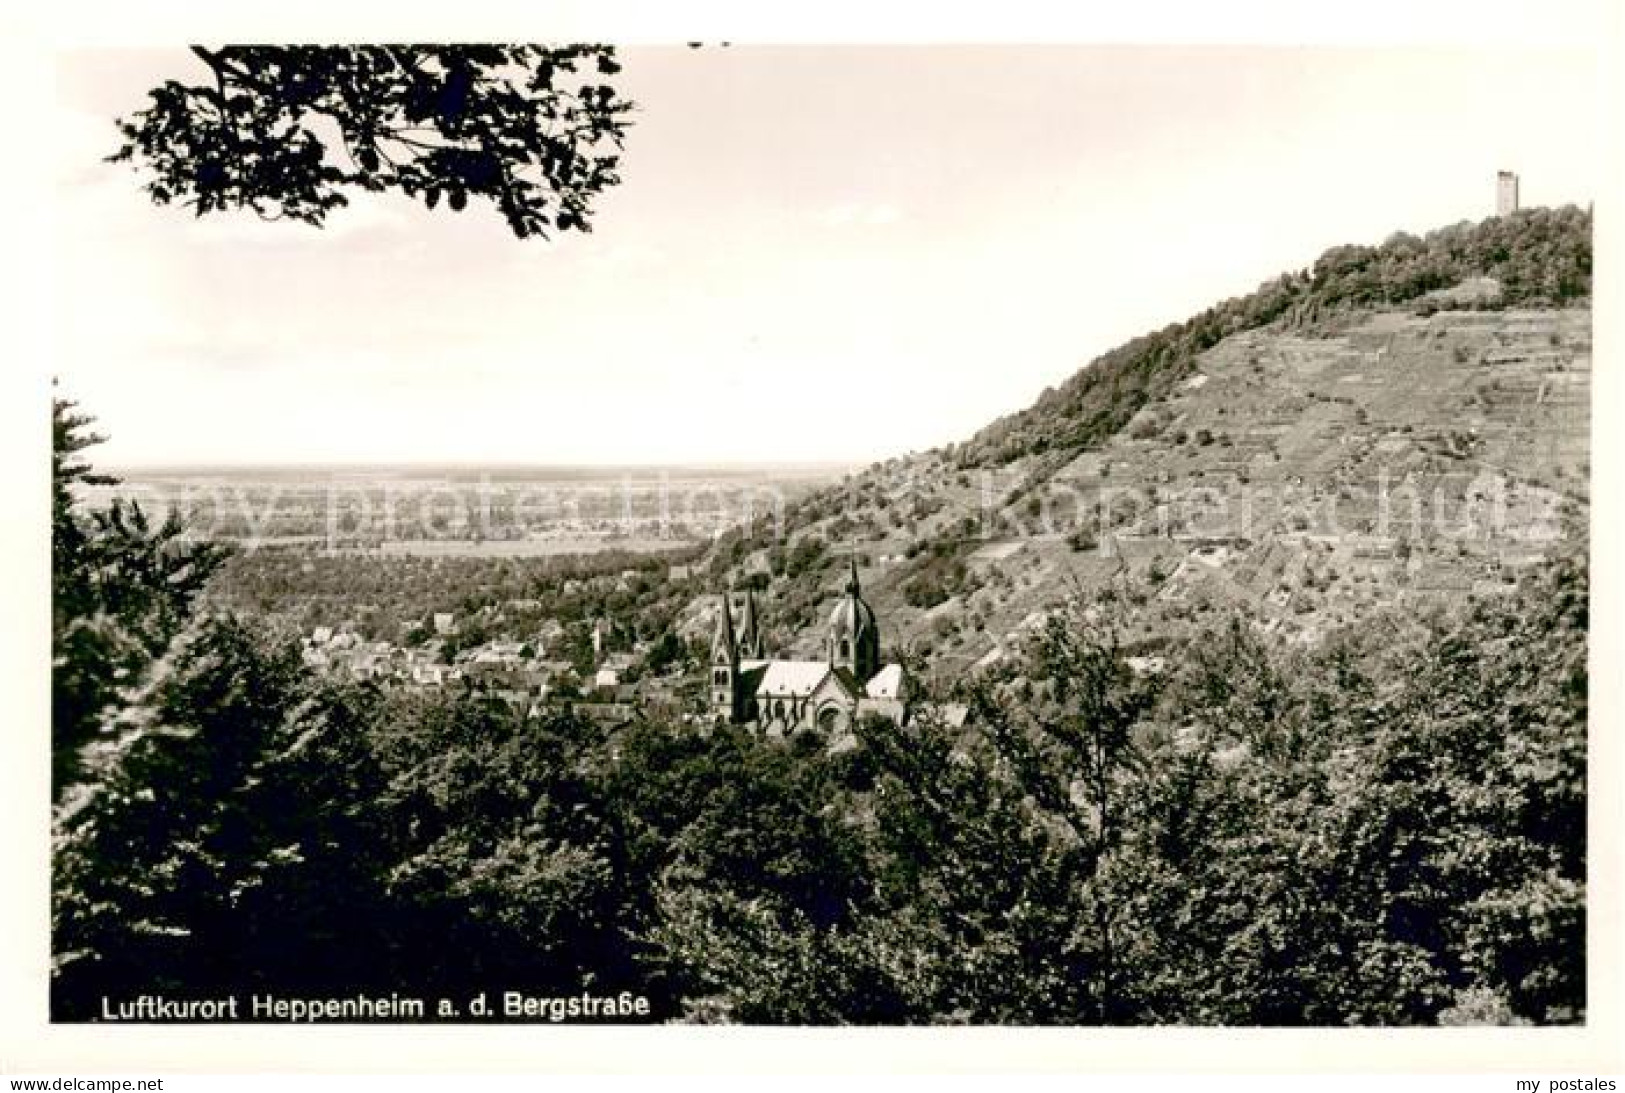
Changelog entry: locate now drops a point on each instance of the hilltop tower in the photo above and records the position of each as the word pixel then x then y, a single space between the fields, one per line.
pixel 725 690
pixel 853 641
pixel 1506 193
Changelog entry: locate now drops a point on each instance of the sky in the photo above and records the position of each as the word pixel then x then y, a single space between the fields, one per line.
pixel 818 253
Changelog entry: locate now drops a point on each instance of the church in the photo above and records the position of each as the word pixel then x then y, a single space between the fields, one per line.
pixel 785 696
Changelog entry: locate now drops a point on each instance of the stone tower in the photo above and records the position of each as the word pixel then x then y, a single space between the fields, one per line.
pixel 1506 193
pixel 750 635
pixel 725 690
pixel 853 641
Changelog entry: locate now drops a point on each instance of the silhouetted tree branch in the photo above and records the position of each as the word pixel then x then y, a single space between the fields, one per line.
pixel 534 130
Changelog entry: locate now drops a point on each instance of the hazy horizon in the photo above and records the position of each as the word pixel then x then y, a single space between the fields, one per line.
pixel 819 255
pixel 735 466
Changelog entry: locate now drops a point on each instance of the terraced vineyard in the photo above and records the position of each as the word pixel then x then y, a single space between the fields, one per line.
pixel 1399 456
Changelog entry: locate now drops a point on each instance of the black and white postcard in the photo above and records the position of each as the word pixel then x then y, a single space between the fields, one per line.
pixel 576 530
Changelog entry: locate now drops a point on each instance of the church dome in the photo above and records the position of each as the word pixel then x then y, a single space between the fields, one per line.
pixel 851 618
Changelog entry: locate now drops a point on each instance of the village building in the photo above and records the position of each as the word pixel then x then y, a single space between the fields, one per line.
pixel 784 696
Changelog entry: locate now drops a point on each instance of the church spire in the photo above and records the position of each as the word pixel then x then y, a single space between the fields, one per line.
pixel 725 692
pixel 750 637
pixel 854 636
pixel 724 647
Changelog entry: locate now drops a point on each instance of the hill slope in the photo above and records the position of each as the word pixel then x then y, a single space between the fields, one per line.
pixel 1402 421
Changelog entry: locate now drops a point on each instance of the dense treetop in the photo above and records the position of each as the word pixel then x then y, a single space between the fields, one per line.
pixel 122 586
pixel 1387 828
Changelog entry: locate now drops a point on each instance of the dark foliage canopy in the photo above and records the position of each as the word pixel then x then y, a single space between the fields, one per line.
pixel 286 130
pixel 122 585
pixel 1388 829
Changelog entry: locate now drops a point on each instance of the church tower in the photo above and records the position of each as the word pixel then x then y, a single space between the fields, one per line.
pixel 853 641
pixel 750 635
pixel 725 667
